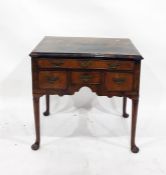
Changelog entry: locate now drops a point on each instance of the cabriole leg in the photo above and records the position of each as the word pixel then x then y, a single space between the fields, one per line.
pixel 134 148
pixel 36 99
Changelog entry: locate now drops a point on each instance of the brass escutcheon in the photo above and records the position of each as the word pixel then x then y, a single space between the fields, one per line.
pixel 57 64
pixel 52 80
pixel 113 66
pixel 119 80
pixel 85 63
pixel 86 77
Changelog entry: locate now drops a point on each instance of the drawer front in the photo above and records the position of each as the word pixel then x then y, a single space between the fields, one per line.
pixel 52 79
pixel 118 81
pixel 85 77
pixel 86 64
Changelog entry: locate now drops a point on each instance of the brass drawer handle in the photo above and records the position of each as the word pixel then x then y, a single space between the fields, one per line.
pixel 52 80
pixel 119 80
pixel 86 77
pixel 85 64
pixel 57 64
pixel 113 65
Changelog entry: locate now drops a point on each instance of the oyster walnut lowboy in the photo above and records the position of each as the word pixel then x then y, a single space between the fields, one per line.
pixel 109 66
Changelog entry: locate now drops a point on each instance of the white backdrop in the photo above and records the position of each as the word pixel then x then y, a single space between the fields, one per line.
pixel 22 25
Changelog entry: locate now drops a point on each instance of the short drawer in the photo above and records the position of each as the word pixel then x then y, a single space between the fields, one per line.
pixel 52 79
pixel 118 81
pixel 85 77
pixel 86 64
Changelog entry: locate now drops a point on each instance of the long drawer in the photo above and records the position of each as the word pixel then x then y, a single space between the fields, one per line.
pixel 86 64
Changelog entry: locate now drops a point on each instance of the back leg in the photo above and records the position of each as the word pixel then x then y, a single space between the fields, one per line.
pixel 125 115
pixel 47 112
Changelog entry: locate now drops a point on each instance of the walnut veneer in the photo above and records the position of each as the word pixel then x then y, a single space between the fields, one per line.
pixel 109 66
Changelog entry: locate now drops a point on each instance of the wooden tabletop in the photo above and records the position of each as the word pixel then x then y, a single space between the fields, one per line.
pixel 80 47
